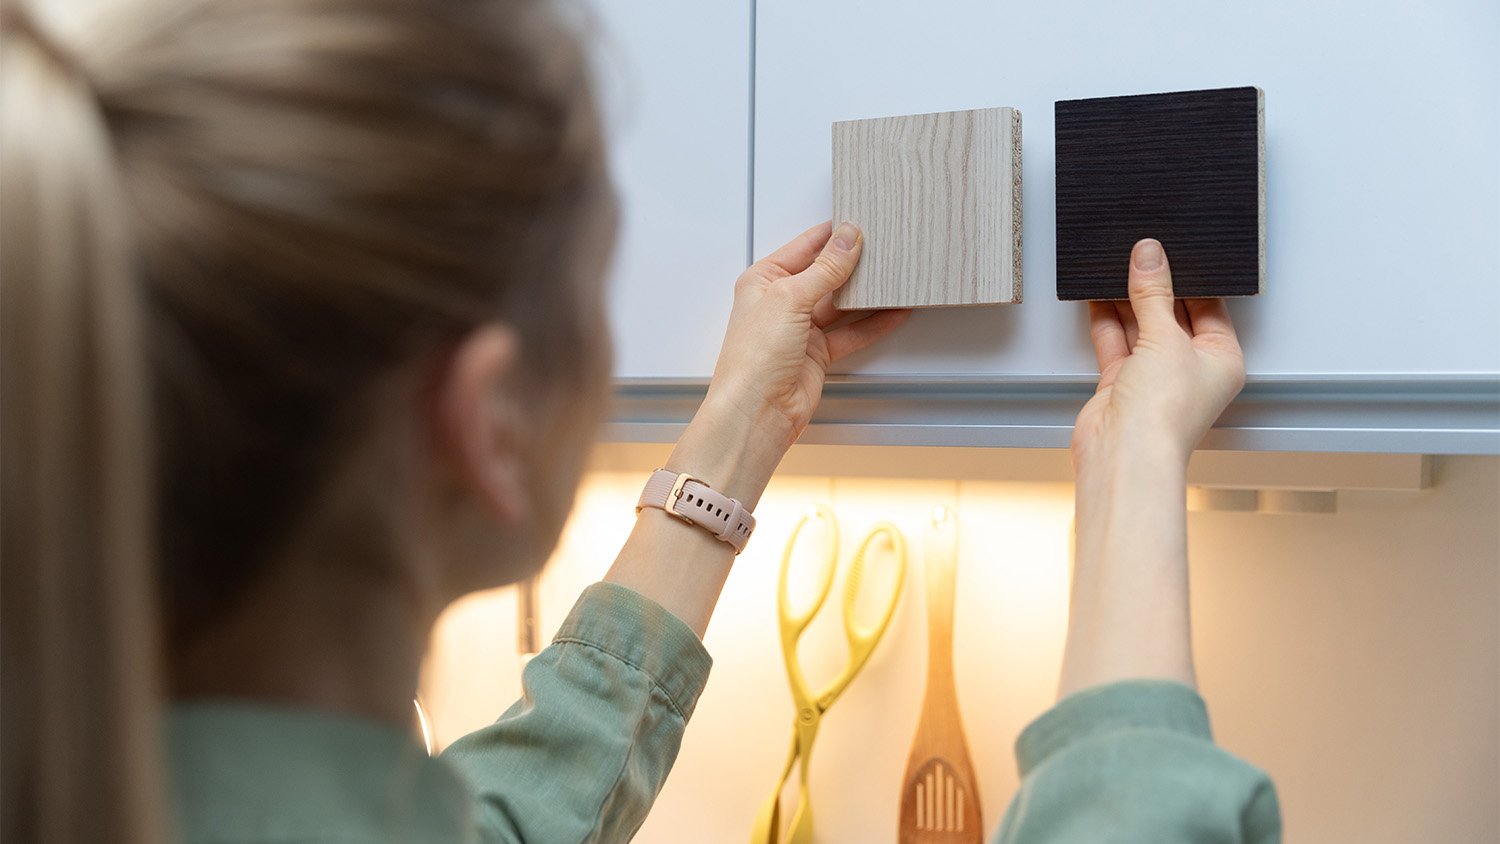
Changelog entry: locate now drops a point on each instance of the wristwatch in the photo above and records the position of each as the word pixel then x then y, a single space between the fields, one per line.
pixel 692 501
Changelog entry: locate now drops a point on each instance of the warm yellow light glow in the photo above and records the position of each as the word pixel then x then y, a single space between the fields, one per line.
pixel 1009 622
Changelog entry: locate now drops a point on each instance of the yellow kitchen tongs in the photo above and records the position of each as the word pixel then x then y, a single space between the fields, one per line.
pixel 862 641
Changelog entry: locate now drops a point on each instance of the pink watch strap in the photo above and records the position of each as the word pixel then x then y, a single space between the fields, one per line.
pixel 691 500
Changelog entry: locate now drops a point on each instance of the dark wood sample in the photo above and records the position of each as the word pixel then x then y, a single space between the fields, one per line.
pixel 1187 168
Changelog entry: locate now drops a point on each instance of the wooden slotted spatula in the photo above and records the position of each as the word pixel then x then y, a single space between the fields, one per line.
pixel 940 797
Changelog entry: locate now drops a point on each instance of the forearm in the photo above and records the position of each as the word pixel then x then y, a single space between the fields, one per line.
pixel 783 333
pixel 679 566
pixel 1129 607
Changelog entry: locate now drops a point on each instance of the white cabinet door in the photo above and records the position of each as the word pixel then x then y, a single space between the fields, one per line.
pixel 1383 160
pixel 675 79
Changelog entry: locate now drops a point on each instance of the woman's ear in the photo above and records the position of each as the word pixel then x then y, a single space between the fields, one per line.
pixel 479 426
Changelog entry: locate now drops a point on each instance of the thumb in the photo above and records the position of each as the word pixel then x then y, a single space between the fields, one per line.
pixel 832 267
pixel 1151 287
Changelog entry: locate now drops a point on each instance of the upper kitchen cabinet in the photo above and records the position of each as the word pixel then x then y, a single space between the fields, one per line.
pixel 1379 328
pixel 1382 122
pixel 675 88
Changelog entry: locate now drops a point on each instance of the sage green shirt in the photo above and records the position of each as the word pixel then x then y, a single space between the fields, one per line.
pixel 583 754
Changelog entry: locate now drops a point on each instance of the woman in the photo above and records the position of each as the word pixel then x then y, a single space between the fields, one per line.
pixel 301 341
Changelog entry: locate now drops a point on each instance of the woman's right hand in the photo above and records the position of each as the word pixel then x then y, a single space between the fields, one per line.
pixel 1167 368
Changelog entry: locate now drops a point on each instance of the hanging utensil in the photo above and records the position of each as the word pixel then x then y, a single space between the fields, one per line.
pixel 940 797
pixel 812 706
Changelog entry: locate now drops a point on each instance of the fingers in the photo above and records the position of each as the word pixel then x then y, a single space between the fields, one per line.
pixel 795 256
pixel 831 268
pixel 824 313
pixel 848 339
pixel 819 260
pixel 1210 316
pixel 1126 315
pixel 1151 287
pixel 1107 334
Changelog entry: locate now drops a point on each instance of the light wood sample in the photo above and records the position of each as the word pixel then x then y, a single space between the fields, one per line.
pixel 939 199
pixel 1187 168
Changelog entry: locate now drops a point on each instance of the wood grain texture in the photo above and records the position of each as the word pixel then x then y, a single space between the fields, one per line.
pixel 940 793
pixel 1187 168
pixel 939 199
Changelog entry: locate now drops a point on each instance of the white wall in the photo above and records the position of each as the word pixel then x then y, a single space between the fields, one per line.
pixel 1355 655
pixel 674 79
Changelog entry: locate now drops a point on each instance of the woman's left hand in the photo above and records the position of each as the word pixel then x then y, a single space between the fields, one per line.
pixel 783 334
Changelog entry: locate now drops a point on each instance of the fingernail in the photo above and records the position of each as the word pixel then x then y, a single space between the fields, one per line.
pixel 845 236
pixel 1148 255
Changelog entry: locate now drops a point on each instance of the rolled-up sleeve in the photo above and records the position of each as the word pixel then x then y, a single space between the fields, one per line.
pixel 583 754
pixel 1135 763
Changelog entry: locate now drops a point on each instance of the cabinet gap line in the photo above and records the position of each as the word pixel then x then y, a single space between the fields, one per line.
pixel 750 148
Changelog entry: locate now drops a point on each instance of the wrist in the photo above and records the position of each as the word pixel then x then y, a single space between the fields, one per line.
pixel 728 451
pixel 1144 454
pixel 1130 483
pixel 1133 483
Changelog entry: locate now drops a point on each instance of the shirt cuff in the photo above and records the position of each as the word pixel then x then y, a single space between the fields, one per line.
pixel 641 633
pixel 1113 707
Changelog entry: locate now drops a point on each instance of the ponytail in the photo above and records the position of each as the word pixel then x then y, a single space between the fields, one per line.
pixel 223 226
pixel 78 640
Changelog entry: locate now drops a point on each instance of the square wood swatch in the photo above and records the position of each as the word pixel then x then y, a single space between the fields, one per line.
pixel 1187 168
pixel 939 199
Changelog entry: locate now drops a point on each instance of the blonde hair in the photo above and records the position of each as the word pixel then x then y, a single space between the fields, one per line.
pixel 221 222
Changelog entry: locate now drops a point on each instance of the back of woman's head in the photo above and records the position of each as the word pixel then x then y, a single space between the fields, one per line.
pixel 223 222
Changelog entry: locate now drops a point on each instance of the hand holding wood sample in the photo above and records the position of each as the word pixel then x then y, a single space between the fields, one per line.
pixel 939 199
pixel 940 798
